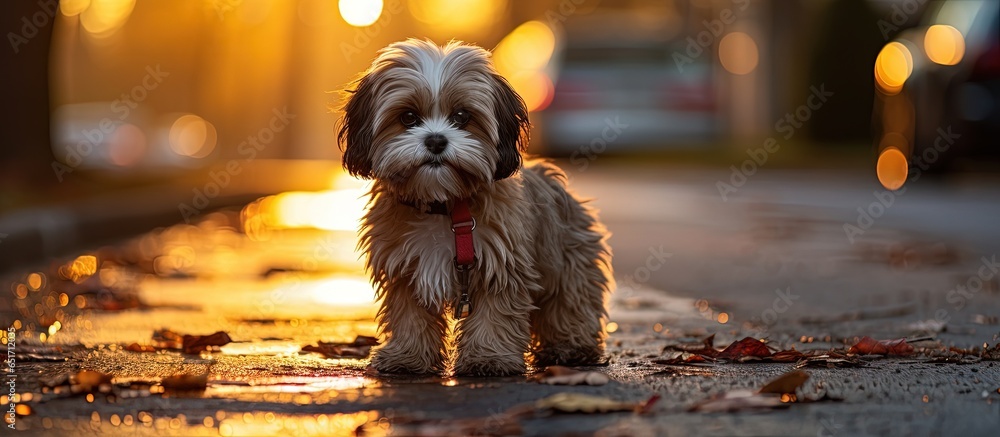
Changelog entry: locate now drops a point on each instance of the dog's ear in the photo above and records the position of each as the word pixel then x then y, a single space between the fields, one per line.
pixel 512 128
pixel 357 130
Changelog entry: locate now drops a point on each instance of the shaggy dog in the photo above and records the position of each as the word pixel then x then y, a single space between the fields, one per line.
pixel 439 131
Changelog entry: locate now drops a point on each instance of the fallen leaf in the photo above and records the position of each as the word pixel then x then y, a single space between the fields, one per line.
pixel 789 356
pixel 787 383
pixel 168 339
pixel 559 375
pixel 683 358
pixel 136 347
pixel 583 403
pixel 193 344
pixel 185 382
pixel 991 354
pixel 777 393
pixel 748 347
pixel 829 360
pixel 359 348
pixel 737 400
pixel 706 347
pixel 869 346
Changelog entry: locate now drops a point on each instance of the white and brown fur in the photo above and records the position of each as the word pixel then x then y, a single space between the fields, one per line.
pixel 543 271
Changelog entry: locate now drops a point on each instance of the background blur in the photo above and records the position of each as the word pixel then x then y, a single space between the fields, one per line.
pixel 159 110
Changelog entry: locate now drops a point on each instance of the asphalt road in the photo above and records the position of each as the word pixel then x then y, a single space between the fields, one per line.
pixel 772 261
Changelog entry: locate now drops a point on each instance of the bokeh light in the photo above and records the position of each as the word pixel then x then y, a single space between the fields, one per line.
pixel 127 145
pixel 944 44
pixel 738 53
pixel 892 67
pixel 190 135
pixel 892 168
pixel 522 57
pixel 72 8
pixel 101 18
pixel 360 13
pixel 456 16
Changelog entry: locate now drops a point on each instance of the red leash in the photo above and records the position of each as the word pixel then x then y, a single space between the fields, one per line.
pixel 462 224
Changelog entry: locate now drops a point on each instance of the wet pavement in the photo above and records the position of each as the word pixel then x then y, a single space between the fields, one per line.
pixel 772 261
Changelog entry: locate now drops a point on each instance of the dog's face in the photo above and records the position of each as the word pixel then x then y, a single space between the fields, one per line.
pixel 433 123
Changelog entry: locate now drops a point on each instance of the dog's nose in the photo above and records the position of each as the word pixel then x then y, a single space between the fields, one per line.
pixel 436 143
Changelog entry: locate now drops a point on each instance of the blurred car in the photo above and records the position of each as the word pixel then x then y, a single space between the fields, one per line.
pixel 618 88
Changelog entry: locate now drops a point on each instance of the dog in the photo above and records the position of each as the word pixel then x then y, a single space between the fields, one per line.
pixel 440 132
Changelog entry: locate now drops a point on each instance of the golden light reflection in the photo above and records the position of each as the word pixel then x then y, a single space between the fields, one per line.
pixel 190 135
pixel 72 8
pixel 723 318
pixel 612 327
pixel 103 17
pixel 456 16
pixel 893 66
pixel 522 57
pixel 80 269
pixel 944 44
pixel 324 424
pixel 738 53
pixel 333 210
pixel 360 13
pixel 346 291
pixel 892 168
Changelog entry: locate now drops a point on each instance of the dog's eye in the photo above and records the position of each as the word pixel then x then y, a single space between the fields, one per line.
pixel 409 119
pixel 460 117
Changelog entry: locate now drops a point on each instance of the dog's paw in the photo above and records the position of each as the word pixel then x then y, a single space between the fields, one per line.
pixel 390 360
pixel 554 356
pixel 490 366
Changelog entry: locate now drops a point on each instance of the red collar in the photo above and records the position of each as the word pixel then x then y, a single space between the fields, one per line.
pixel 462 224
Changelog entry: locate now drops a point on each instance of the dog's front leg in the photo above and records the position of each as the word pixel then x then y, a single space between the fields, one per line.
pixel 415 335
pixel 492 340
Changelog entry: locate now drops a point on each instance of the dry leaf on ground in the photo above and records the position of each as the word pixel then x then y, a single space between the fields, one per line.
pixel 706 347
pixel 786 383
pixel 193 344
pixel 681 359
pixel 778 393
pixel 560 375
pixel 745 349
pixel 584 403
pixel 869 346
pixel 185 382
pixel 829 360
pixel 359 348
